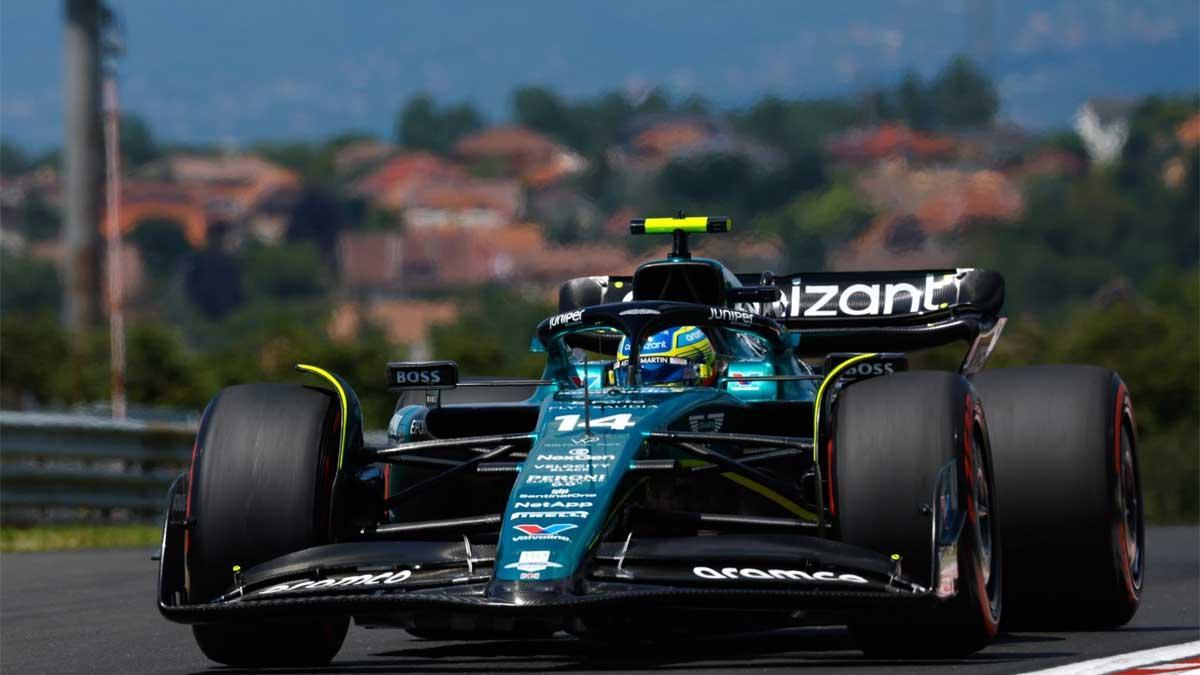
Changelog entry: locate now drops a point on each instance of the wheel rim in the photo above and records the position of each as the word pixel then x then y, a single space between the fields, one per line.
pixel 981 494
pixel 1130 507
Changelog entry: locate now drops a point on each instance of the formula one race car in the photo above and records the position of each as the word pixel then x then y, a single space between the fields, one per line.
pixel 679 470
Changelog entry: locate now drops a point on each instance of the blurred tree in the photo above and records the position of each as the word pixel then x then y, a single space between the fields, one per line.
pixel 162 245
pixel 162 371
pixel 285 272
pixel 420 125
pixel 28 285
pixel 795 127
pixel 214 282
pixel 137 142
pixel 914 103
pixel 817 222
pixel 34 345
pixel 316 218
pixel 313 161
pixel 541 109
pixel 39 220
pixel 486 342
pixel 963 96
pixel 701 182
pixel 13 159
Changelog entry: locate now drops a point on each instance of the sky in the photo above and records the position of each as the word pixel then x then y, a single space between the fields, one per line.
pixel 237 72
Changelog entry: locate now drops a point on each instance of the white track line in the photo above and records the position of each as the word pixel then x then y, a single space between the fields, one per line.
pixel 1109 664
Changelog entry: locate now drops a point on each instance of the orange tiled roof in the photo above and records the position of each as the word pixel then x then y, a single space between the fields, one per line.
pixel 506 141
pixel 669 137
pixel 1188 133
pixel 394 182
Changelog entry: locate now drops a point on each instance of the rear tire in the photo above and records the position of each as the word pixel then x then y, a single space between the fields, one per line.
pixel 1066 464
pixel 893 435
pixel 262 486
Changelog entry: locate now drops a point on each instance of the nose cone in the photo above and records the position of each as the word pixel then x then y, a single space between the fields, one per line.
pixel 522 593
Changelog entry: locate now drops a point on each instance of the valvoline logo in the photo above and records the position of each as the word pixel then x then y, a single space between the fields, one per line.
pixel 550 530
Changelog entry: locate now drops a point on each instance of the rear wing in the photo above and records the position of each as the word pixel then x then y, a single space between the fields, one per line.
pixel 869 311
pixel 854 311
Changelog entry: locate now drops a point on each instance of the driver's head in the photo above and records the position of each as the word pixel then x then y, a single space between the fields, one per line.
pixel 676 356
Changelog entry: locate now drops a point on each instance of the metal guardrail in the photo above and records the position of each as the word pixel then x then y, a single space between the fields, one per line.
pixel 80 465
pixel 77 462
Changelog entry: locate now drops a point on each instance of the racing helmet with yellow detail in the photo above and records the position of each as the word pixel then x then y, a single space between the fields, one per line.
pixel 676 356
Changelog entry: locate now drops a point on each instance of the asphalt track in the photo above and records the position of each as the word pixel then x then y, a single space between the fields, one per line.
pixel 94 612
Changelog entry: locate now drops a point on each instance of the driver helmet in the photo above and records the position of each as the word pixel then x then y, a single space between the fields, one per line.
pixel 676 356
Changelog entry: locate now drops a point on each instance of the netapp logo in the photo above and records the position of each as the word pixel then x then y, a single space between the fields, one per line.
pixel 552 505
pixel 385 579
pixel 521 515
pixel 768 575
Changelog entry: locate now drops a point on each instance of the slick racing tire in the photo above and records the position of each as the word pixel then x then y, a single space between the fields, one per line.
pixel 1065 452
pixel 262 487
pixel 896 439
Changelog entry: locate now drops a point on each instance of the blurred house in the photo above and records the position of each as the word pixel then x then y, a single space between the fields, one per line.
pixel 393 183
pixel 471 203
pixel 863 147
pixel 1187 136
pixel 371 262
pixel 1103 125
pixel 532 157
pixel 658 141
pixel 244 194
pixel 403 321
pixel 922 211
pixel 357 157
pixel 1050 163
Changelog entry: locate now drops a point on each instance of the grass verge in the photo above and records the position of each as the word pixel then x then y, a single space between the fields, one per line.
pixel 70 537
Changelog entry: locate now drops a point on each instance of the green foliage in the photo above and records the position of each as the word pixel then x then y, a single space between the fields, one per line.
pixel 1152 342
pixel 492 334
pixel 278 340
pixel 137 142
pixel 914 102
pixel 13 159
pixel 39 220
pixel 796 127
pixel 285 272
pixel 963 96
pixel 162 245
pixel 313 161
pixel 162 371
pixel 818 222
pixel 214 282
pixel 33 344
pixel 422 125
pixel 28 285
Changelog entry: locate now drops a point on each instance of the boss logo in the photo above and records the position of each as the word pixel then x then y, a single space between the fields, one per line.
pixel 866 369
pixel 418 377
pixel 422 375
pixel 882 364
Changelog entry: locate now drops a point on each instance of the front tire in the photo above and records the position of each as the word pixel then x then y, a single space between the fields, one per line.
pixel 262 487
pixel 1066 463
pixel 893 436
